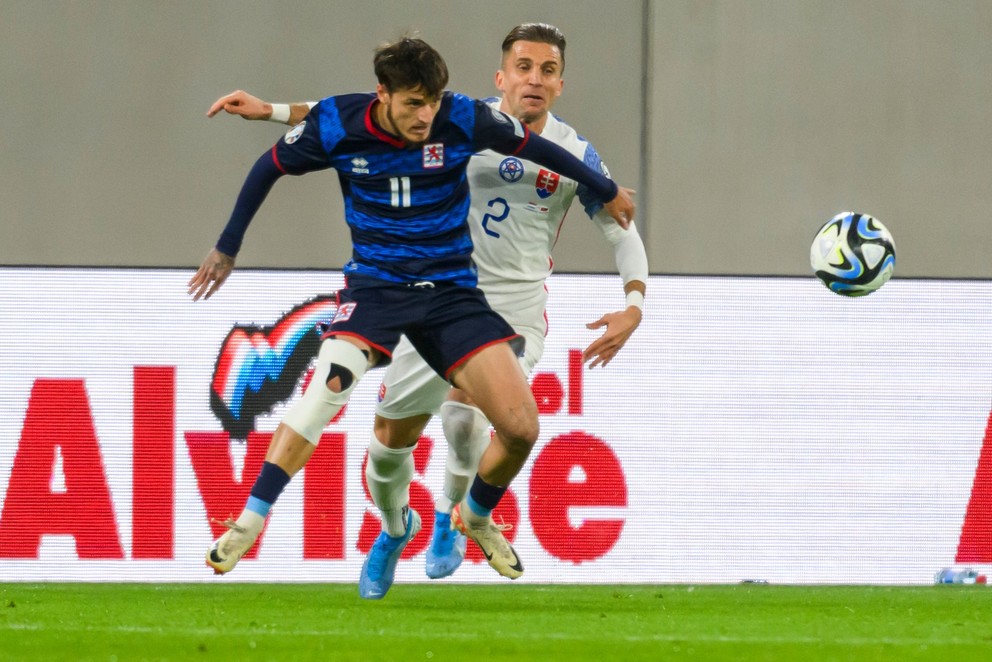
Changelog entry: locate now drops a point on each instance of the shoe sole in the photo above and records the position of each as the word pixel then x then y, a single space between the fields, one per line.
pixel 215 565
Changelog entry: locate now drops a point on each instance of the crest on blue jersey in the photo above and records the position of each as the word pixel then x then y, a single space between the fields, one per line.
pixel 511 169
pixel 434 155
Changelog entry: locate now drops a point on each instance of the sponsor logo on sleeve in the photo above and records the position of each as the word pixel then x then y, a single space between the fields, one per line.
pixel 295 133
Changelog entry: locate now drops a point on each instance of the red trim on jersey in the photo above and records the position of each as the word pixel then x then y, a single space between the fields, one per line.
pixel 379 133
pixel 524 141
pixel 561 224
pixel 459 362
pixel 275 159
pixel 547 323
pixel 378 348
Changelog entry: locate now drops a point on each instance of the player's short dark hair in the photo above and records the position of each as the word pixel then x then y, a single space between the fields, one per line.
pixel 541 33
pixel 410 64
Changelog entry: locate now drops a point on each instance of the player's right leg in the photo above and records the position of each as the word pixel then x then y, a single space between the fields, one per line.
pixel 410 393
pixel 466 430
pixel 342 364
pixel 388 473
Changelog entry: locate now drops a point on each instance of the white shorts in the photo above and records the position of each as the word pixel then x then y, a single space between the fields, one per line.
pixel 411 388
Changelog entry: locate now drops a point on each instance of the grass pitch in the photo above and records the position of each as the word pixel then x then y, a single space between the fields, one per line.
pixel 493 622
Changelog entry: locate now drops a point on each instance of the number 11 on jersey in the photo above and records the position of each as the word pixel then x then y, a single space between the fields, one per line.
pixel 399 188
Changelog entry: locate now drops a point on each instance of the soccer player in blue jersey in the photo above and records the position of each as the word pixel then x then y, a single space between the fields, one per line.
pixel 401 155
pixel 515 221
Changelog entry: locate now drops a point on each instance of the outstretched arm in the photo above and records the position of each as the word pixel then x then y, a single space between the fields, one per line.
pixel 632 263
pixel 251 107
pixel 219 263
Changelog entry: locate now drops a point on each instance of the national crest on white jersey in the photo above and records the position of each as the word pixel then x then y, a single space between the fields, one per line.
pixel 547 183
pixel 511 169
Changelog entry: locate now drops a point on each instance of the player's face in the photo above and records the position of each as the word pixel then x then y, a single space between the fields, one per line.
pixel 408 114
pixel 530 80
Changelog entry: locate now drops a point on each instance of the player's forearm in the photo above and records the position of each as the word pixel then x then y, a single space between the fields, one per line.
pixel 548 154
pixel 631 259
pixel 290 113
pixel 253 193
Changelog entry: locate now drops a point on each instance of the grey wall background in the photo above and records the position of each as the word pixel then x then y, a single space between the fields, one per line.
pixel 744 124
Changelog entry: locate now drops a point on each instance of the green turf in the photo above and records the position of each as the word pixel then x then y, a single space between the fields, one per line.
pixel 493 622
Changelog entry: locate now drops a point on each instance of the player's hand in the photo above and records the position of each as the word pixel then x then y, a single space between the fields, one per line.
pixel 619 327
pixel 241 103
pixel 621 207
pixel 211 275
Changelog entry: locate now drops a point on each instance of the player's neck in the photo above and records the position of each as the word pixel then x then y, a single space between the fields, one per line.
pixel 536 125
pixel 381 120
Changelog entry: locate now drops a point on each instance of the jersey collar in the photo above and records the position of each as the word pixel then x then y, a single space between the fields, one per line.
pixel 379 133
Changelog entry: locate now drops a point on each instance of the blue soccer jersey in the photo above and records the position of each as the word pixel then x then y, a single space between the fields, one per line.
pixel 406 205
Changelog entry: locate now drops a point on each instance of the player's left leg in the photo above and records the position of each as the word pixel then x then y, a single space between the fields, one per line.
pixel 494 380
pixel 467 430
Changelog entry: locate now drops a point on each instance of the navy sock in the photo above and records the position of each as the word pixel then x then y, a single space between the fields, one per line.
pixel 483 497
pixel 271 481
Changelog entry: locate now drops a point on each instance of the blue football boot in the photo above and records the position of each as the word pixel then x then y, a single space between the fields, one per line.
pixel 379 568
pixel 447 549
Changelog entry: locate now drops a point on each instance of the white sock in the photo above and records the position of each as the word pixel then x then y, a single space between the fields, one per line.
pixel 388 474
pixel 466 430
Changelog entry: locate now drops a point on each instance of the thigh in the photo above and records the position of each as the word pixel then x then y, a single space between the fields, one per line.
pixel 495 382
pixel 524 308
pixel 410 387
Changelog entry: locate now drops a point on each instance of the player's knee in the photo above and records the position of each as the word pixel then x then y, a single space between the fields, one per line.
pixel 520 436
pixel 466 430
pixel 340 366
pixel 462 422
pixel 399 432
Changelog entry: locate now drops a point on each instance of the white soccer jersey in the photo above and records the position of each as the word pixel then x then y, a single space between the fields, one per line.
pixel 517 211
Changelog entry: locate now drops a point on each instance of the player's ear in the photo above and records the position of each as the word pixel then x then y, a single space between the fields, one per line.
pixel 499 80
pixel 382 93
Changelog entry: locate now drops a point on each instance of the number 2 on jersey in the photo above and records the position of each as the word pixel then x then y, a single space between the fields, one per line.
pixel 494 204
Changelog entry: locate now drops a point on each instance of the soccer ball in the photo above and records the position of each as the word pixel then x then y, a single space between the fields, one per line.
pixel 853 254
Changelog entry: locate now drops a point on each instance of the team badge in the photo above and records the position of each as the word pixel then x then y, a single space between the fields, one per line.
pixel 295 133
pixel 511 169
pixel 344 312
pixel 434 155
pixel 547 183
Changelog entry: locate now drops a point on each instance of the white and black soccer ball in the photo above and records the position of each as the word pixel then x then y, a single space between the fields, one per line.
pixel 853 254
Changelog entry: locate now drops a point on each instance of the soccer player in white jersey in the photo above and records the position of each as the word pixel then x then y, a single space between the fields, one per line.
pixel 516 214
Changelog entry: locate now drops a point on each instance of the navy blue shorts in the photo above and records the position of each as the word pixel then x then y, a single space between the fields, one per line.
pixel 446 323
